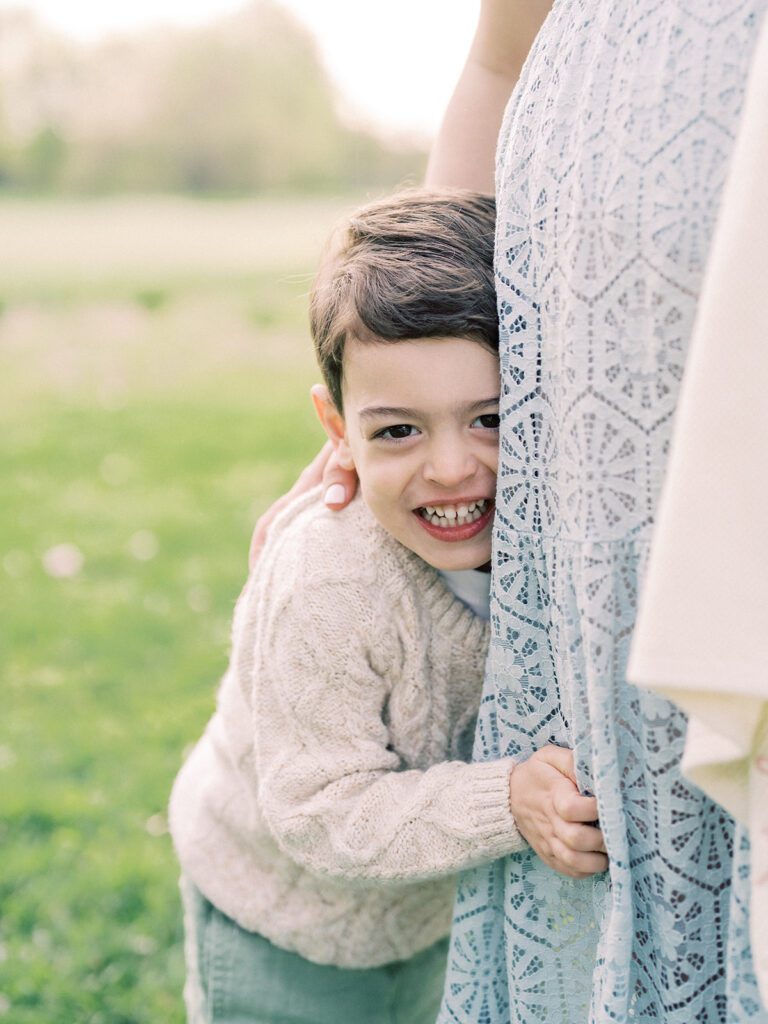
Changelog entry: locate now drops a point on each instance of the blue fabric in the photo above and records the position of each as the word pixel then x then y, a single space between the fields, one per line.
pixel 611 163
pixel 238 977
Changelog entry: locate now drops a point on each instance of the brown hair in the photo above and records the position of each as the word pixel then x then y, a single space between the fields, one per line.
pixel 418 264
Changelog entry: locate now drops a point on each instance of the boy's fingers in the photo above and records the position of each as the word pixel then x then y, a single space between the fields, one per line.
pixel 577 865
pixel 582 838
pixel 560 758
pixel 572 806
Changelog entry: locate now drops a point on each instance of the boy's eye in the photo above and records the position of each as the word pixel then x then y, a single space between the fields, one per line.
pixel 489 420
pixel 398 432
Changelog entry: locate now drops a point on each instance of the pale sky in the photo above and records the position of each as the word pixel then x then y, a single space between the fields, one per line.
pixel 395 64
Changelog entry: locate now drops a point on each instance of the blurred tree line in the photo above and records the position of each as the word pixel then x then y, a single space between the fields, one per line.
pixel 241 105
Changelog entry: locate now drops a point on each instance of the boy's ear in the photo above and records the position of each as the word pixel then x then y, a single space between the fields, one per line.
pixel 333 424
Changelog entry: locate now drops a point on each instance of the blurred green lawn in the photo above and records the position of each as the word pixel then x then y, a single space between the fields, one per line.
pixel 154 402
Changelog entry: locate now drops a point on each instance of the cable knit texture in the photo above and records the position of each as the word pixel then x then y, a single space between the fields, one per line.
pixel 329 804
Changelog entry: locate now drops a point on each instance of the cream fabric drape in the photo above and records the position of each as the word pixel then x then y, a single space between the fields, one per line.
pixel 702 632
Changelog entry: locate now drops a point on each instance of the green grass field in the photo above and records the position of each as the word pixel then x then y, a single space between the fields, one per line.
pixel 154 364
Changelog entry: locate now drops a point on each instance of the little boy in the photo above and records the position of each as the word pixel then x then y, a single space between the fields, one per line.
pixel 321 819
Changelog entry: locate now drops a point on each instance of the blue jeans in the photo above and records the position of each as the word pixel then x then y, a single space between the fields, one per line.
pixel 238 977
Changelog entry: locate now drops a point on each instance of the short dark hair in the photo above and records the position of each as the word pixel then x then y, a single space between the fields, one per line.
pixel 418 264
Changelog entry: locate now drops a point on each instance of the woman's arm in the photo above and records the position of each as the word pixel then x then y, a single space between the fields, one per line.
pixel 463 152
pixel 462 157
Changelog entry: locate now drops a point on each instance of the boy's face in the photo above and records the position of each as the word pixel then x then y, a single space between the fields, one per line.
pixel 420 426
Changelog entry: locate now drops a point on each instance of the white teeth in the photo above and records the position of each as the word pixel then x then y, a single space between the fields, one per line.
pixel 454 515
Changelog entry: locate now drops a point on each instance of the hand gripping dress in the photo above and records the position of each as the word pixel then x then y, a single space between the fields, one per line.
pixel 612 158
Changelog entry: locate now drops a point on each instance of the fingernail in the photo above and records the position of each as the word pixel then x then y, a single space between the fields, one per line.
pixel 335 495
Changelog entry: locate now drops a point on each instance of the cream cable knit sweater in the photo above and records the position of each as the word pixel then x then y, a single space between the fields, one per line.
pixel 328 805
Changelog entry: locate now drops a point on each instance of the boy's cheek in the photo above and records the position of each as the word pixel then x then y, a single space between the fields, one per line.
pixel 382 496
pixel 492 457
pixel 377 474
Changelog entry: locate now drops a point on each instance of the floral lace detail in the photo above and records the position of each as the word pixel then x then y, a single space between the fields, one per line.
pixel 612 159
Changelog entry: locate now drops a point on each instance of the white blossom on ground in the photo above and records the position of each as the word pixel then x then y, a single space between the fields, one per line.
pixel 63 561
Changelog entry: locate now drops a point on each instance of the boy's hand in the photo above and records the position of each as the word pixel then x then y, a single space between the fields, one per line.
pixel 553 816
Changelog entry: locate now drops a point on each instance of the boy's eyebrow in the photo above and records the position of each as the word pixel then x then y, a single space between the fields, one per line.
pixel 376 411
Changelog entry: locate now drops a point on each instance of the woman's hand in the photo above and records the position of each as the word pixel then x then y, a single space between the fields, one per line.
pixel 339 484
pixel 309 478
pixel 553 816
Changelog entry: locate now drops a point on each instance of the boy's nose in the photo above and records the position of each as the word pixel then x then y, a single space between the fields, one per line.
pixel 449 463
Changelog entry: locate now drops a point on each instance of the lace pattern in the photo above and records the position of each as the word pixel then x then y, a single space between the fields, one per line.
pixel 611 164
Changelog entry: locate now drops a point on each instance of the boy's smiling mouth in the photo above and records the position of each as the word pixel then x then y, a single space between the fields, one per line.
pixel 457 520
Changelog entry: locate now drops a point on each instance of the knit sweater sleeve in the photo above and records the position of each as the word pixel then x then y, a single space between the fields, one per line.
pixel 335 795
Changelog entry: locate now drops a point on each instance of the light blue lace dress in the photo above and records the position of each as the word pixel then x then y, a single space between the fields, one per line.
pixel 612 159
